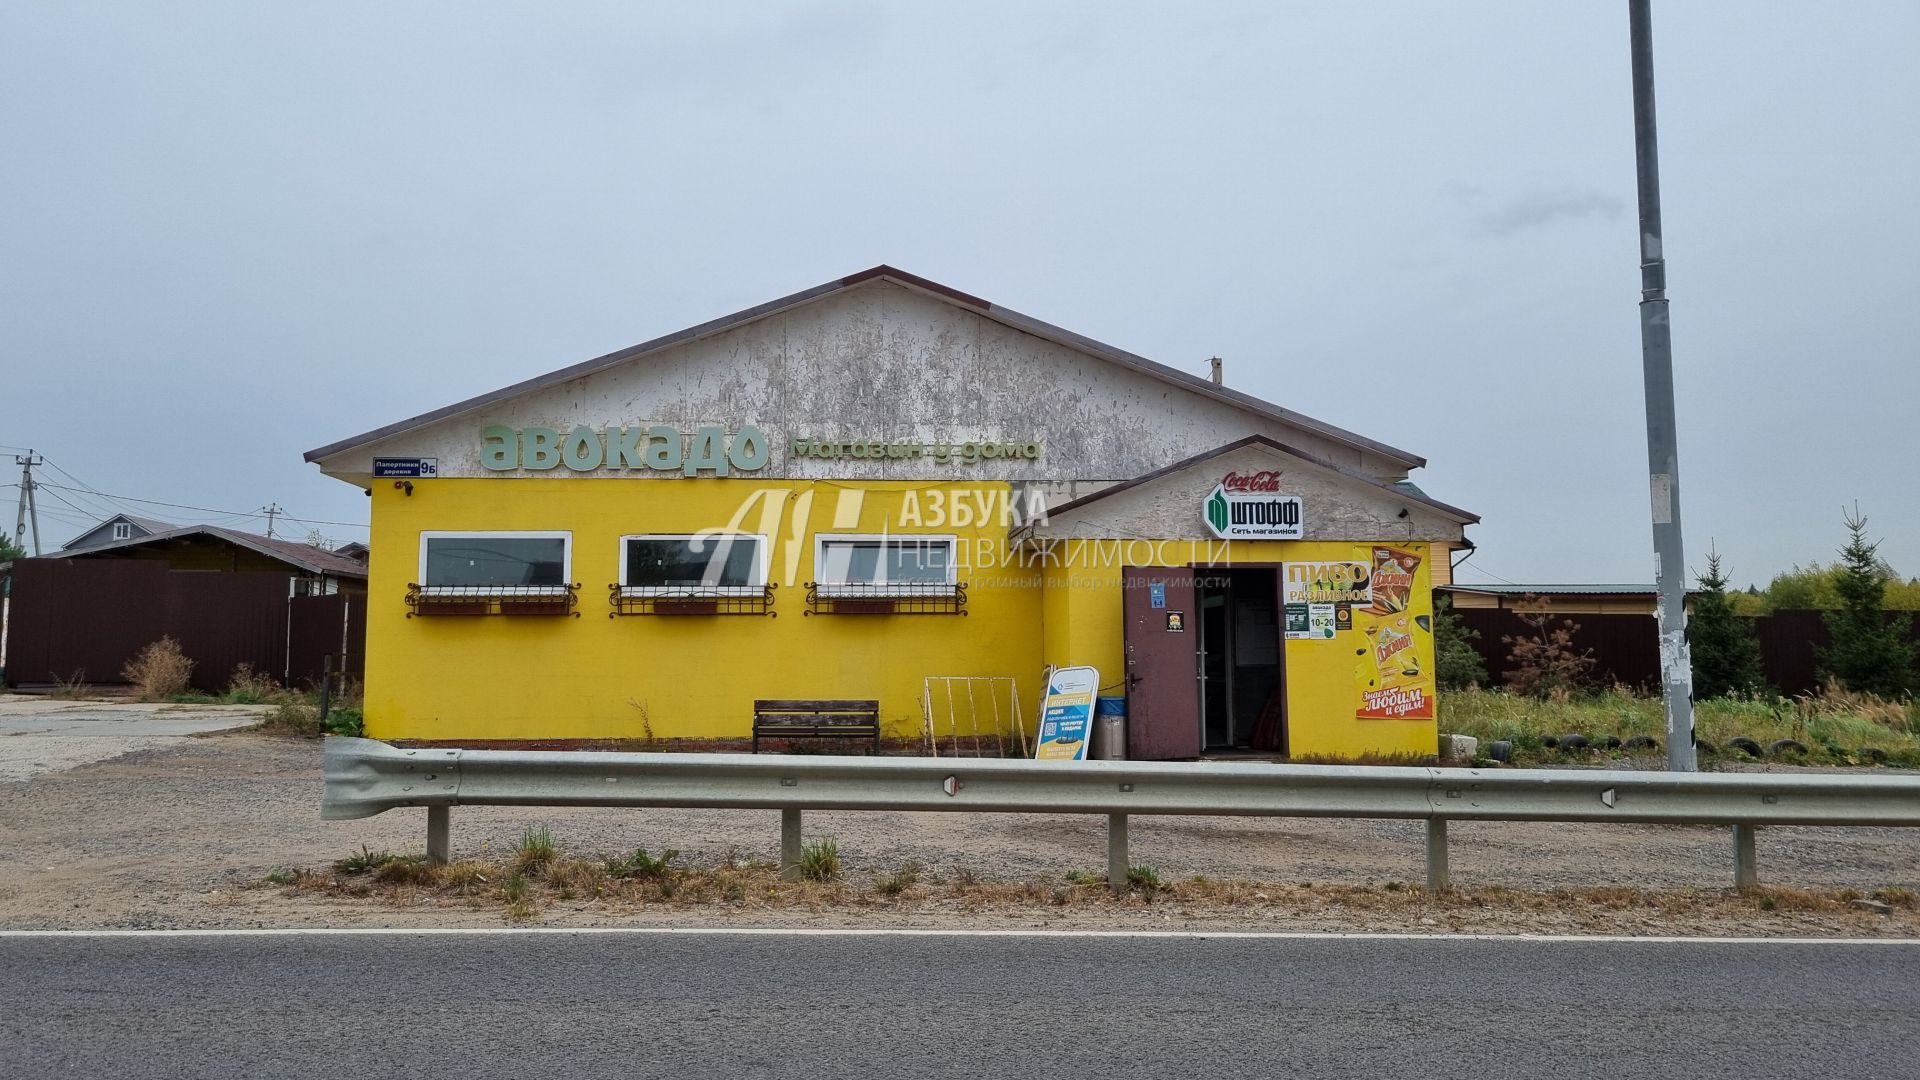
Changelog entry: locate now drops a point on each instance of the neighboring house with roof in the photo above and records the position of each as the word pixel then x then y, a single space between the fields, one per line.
pixel 1560 599
pixel 212 547
pixel 117 527
pixel 228 597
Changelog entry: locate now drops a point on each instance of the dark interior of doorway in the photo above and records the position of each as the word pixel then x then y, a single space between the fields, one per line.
pixel 1240 658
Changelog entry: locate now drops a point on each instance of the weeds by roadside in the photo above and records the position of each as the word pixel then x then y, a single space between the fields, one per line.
pixel 538 877
pixel 820 860
pixel 159 671
pixel 1835 727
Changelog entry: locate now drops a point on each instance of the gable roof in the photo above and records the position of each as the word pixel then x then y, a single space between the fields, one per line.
pixel 149 524
pixel 292 552
pixel 1399 490
pixel 984 308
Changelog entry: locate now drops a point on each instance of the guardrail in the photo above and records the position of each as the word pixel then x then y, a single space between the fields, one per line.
pixel 365 777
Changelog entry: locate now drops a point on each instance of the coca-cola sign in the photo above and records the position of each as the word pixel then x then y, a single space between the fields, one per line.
pixel 1265 480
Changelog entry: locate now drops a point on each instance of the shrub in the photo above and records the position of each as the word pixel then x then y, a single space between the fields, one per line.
pixel 348 722
pixel 159 671
pixel 899 881
pixel 534 849
pixel 1544 661
pixel 364 860
pixel 249 687
pixel 820 860
pixel 1456 660
pixel 641 865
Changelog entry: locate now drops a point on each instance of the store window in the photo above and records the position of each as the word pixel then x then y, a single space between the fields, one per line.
pixel 702 564
pixel 480 563
pixel 885 565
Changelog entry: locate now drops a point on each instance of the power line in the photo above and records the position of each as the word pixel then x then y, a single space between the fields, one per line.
pixel 88 488
pixel 200 509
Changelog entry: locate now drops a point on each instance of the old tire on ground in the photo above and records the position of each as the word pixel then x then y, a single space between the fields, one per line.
pixel 1611 742
pixel 1873 754
pixel 1549 741
pixel 1642 742
pixel 1500 750
pixel 1574 742
pixel 1745 745
pixel 1782 746
pixel 1702 746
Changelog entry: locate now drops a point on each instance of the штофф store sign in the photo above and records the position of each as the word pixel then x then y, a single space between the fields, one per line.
pixel 1251 507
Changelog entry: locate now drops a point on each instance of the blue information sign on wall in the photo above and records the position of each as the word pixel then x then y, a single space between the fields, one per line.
pixel 415 467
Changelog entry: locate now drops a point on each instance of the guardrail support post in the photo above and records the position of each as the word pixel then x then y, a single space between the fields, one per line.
pixel 1117 852
pixel 439 834
pixel 1746 869
pixel 789 845
pixel 1438 880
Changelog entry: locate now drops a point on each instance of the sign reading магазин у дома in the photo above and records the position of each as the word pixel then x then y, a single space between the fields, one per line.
pixel 711 448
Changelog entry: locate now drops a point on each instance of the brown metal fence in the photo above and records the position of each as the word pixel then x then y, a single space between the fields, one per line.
pixel 1626 648
pixel 84 619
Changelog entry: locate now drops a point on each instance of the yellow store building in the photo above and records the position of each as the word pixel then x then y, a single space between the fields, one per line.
pixel 883 488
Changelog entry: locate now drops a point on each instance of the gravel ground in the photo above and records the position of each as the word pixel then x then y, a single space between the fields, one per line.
pixel 174 836
pixel 42 735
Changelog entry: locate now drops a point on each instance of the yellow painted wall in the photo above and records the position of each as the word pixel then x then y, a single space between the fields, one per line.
pixel 1325 679
pixel 696 677
pixel 595 677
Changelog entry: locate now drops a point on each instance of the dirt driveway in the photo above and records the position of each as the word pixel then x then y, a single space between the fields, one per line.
pixel 181 834
pixel 40 734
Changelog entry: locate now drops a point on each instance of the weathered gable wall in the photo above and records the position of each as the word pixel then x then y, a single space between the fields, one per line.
pixel 1335 507
pixel 883 362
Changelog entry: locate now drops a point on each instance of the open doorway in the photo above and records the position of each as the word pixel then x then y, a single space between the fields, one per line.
pixel 1242 667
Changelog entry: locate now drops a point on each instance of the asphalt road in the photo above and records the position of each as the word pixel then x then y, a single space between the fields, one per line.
pixel 734 1007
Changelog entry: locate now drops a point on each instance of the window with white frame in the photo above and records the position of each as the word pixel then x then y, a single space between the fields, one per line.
pixel 693 564
pixel 504 562
pixel 885 565
pixel 122 531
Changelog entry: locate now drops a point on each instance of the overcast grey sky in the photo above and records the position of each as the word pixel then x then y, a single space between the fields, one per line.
pixel 233 232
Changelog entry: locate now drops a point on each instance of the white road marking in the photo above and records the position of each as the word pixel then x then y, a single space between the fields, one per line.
pixel 772 931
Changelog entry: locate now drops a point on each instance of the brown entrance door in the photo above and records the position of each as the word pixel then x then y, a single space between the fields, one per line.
pixel 1163 695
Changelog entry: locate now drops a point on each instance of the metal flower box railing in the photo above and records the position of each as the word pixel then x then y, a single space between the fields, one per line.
pixel 693 600
pixel 439 600
pixel 918 598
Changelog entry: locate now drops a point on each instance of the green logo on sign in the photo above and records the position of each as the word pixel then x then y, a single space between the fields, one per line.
pixel 1217 511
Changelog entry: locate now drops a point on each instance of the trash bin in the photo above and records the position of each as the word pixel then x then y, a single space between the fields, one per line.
pixel 1109 729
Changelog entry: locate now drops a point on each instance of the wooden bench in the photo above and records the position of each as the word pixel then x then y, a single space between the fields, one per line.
pixel 830 719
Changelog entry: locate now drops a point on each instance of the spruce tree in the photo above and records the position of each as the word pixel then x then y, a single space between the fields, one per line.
pixel 1871 653
pixel 1726 656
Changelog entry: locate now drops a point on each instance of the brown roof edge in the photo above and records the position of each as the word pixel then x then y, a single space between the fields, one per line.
pixel 1005 316
pixel 918 282
pixel 1465 516
pixel 298 555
